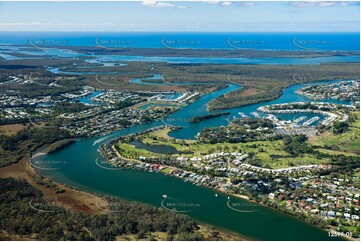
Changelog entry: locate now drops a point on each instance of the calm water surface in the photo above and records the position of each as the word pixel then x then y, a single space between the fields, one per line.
pixel 82 172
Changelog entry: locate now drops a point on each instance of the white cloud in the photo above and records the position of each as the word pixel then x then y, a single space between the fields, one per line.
pixel 210 2
pixel 229 3
pixel 323 4
pixel 226 4
pixel 248 4
pixel 157 4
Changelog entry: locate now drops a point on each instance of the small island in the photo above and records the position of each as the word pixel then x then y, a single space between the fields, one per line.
pixel 58 145
pixel 200 118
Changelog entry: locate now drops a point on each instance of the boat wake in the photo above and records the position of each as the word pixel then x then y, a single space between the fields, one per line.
pixel 100 140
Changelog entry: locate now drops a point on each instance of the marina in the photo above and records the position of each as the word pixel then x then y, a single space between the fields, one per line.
pixel 80 158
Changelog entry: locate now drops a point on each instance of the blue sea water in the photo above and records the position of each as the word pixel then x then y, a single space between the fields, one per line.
pixel 54 45
pixel 82 172
pixel 263 41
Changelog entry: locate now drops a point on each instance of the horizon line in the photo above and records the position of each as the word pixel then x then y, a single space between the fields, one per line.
pixel 180 31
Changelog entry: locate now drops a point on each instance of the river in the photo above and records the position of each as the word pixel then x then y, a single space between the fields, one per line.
pixel 79 170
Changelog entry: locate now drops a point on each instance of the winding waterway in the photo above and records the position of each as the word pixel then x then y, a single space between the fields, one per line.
pixel 79 169
pixel 6 52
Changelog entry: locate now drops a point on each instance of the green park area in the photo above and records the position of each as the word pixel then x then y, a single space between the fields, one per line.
pixel 347 143
pixel 269 154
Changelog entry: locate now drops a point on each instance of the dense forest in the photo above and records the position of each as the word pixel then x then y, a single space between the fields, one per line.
pixel 198 119
pixel 18 217
pixel 13 148
pixel 237 99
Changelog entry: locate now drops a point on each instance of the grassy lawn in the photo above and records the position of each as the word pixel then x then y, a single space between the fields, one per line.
pixel 351 228
pixel 160 103
pixel 166 170
pixel 269 152
pixel 11 129
pixel 335 152
pixel 282 202
pixel 348 142
pixel 128 150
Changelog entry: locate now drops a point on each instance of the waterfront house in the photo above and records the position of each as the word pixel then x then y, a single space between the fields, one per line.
pixel 331 214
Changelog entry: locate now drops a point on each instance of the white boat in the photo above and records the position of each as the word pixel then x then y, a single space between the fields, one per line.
pixel 310 121
pixel 255 114
pixel 242 115
pixel 300 119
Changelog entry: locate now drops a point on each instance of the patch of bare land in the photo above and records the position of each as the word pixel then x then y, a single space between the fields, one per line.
pixel 63 196
pixel 76 200
pixel 10 129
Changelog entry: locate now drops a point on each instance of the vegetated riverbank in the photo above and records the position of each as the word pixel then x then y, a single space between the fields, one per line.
pixel 165 170
pixel 124 192
pixel 222 53
pixel 27 140
pixel 242 98
pixel 58 145
pixel 69 201
pixel 200 118
pixel 154 166
pixel 62 195
pixel 260 82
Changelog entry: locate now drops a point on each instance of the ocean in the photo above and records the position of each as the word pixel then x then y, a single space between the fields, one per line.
pixel 260 41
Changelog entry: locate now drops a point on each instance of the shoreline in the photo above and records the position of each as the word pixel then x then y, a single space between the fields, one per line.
pixel 60 194
pixel 227 53
pixel 221 190
pixel 79 200
pixel 243 197
pixel 218 189
pixel 201 223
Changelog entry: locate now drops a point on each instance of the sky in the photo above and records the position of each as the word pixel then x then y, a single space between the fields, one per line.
pixel 166 16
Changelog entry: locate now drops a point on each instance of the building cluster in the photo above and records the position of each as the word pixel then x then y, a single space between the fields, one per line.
pixel 113 97
pixel 98 121
pixel 183 99
pixel 298 189
pixel 329 198
pixel 23 114
pixel 344 90
pixel 8 100
pixel 86 91
pixel 304 125
pixel 100 118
